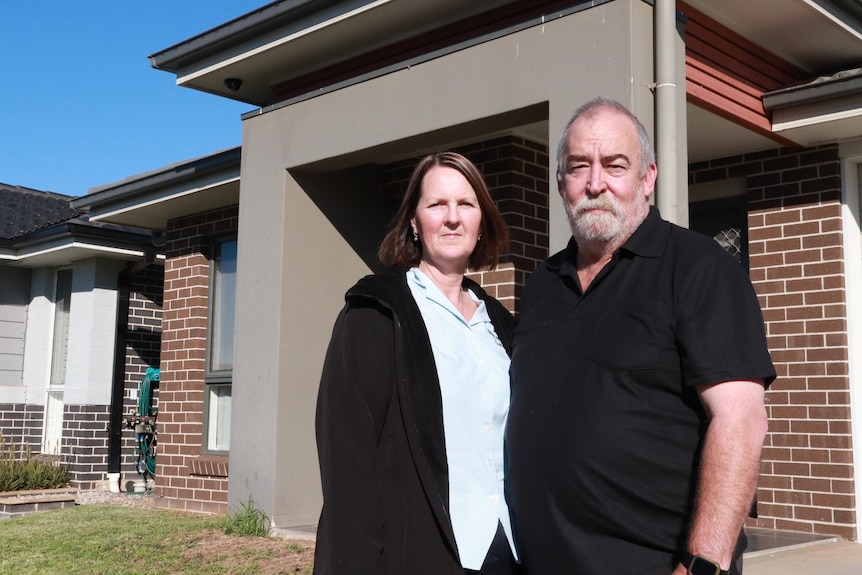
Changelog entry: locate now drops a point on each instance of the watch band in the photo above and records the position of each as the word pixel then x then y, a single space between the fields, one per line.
pixel 699 565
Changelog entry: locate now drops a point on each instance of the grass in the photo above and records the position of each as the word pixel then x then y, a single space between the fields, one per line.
pixel 247 521
pixel 108 540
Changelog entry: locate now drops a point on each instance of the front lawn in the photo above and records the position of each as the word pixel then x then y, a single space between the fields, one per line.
pixel 108 540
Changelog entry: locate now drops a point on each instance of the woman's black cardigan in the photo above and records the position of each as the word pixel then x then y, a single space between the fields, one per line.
pixel 380 437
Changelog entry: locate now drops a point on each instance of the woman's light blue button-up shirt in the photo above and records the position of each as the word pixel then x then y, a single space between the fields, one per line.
pixel 473 370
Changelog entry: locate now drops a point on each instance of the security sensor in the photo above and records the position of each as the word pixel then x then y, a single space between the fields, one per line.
pixel 233 84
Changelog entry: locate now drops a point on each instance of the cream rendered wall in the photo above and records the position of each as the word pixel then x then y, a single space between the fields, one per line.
pixel 92 332
pixel 37 342
pixel 294 264
pixel 92 323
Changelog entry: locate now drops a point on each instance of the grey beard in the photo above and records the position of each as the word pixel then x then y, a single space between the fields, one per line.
pixel 611 227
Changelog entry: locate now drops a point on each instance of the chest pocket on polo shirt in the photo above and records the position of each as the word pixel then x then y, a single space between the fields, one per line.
pixel 634 339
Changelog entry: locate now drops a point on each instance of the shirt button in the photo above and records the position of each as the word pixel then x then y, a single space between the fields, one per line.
pixel 487 427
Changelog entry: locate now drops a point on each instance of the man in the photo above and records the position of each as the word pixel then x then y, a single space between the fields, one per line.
pixel 639 367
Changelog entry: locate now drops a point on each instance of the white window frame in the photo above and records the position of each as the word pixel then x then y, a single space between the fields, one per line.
pixel 52 428
pixel 218 379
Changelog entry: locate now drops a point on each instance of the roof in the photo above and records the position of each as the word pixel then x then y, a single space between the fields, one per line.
pixel 42 229
pixel 25 210
pixel 149 200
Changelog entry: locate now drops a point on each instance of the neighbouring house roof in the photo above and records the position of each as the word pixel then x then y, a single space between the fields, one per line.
pixel 827 108
pixel 39 228
pixel 149 200
pixel 26 210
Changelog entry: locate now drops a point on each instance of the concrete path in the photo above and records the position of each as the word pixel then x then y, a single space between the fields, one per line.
pixel 831 557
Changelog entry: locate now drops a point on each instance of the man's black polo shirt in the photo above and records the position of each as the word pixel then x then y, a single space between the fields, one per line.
pixel 605 425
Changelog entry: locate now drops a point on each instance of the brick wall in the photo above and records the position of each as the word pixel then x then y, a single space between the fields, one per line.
pixel 21 426
pixel 186 478
pixel 516 172
pixel 85 436
pixel 85 443
pixel 84 446
pixel 794 200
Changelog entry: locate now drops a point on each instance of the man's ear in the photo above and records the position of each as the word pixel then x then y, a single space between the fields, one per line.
pixel 649 180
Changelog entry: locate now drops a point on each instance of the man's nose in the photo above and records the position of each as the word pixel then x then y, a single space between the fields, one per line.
pixel 596 183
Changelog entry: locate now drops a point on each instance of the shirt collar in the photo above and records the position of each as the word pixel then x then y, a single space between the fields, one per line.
pixel 418 278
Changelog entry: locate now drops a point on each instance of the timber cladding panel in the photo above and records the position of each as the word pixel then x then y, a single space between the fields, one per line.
pixel 179 482
pixel 727 74
pixel 794 201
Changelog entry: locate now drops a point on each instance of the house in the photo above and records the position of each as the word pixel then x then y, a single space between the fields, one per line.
pixel 756 113
pixel 80 306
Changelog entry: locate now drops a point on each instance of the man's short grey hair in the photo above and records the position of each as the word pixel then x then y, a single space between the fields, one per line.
pixel 647 152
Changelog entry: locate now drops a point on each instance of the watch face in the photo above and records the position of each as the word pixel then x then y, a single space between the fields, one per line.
pixel 701 566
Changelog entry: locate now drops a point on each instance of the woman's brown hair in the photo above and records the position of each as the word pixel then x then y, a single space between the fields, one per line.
pixel 399 247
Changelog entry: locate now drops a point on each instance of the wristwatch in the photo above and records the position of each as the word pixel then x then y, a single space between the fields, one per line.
pixel 697 565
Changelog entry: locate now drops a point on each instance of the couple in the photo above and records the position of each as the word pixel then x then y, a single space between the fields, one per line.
pixel 638 370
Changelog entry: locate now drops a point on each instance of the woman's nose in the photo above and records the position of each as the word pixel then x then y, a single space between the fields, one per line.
pixel 452 213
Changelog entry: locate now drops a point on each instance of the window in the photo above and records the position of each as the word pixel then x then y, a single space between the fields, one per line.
pixel 219 376
pixel 53 430
pixel 725 221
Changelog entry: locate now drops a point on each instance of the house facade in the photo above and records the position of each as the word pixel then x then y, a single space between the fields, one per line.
pixel 759 141
pixel 80 323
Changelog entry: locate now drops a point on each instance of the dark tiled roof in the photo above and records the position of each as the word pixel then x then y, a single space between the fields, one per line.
pixel 23 210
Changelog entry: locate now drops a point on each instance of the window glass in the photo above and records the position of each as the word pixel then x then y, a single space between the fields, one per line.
pixel 219 418
pixel 220 347
pixel 223 305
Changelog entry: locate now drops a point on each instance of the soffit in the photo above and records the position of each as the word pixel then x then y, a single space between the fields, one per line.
pixel 149 200
pixel 808 34
pixel 818 36
pixel 821 37
pixel 313 41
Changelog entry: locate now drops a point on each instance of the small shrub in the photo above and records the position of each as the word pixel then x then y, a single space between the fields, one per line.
pixel 247 521
pixel 28 473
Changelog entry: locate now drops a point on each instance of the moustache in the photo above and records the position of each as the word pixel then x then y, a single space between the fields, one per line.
pixel 598 204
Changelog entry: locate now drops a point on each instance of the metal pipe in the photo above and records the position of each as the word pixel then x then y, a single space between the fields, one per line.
pixel 667 194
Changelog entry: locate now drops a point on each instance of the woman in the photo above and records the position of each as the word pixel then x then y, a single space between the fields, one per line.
pixel 415 392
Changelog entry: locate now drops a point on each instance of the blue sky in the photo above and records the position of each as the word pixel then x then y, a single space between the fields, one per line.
pixel 80 105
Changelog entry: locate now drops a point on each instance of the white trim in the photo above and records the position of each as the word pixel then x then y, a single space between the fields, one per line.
pixel 164 195
pixel 57 249
pixel 851 215
pixel 248 52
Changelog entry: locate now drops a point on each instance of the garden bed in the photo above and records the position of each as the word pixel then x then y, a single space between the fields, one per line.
pixel 19 503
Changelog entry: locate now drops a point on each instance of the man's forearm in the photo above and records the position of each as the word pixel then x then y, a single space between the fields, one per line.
pixel 730 465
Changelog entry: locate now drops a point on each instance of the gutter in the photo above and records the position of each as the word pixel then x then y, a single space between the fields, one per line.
pixel 838 85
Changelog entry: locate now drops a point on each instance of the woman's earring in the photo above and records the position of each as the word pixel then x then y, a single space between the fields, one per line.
pixel 479 238
pixel 415 236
